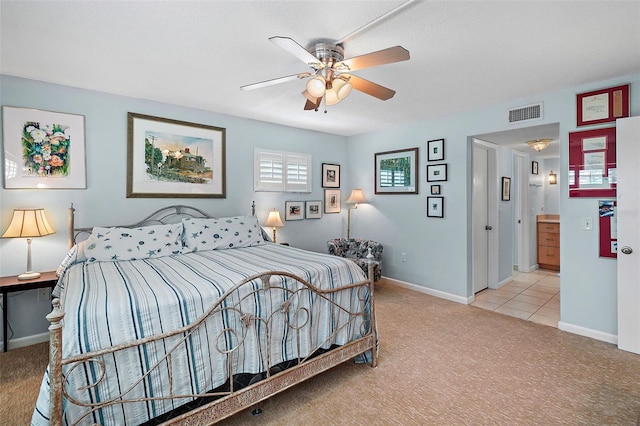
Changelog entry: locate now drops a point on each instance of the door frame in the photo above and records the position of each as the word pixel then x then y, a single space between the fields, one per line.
pixel 493 188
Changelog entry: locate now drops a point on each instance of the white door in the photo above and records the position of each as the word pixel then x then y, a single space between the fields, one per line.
pixel 521 219
pixel 628 214
pixel 480 220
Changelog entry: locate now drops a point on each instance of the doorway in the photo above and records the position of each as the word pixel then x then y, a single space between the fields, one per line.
pixel 484 217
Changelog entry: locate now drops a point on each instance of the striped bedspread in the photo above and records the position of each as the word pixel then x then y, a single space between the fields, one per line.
pixel 109 303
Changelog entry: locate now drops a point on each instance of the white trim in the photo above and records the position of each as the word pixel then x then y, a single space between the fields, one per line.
pixel 588 332
pixel 26 341
pixel 431 292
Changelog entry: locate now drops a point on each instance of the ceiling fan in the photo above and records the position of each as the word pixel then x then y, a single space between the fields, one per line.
pixel 330 77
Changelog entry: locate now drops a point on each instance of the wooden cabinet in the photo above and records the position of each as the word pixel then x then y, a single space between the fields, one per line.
pixel 548 241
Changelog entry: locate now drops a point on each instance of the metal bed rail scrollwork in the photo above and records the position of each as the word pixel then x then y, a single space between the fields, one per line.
pixel 290 291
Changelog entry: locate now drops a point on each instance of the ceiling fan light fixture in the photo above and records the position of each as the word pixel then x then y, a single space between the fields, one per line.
pixel 317 86
pixel 539 144
pixel 342 88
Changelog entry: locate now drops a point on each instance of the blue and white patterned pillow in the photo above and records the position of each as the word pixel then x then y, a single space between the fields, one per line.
pixel 222 233
pixel 115 244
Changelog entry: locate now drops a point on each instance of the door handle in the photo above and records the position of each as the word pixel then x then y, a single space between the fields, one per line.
pixel 626 250
pixel 488 228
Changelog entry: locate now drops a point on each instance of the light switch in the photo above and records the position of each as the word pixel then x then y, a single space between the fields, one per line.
pixel 587 223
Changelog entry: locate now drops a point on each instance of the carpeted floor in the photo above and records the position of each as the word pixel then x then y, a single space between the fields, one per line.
pixel 440 363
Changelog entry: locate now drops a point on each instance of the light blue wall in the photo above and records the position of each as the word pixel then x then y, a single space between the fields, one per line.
pixel 551 192
pixel 104 201
pixel 437 250
pixel 438 253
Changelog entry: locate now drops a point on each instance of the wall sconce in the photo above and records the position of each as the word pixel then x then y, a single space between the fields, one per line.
pixel 28 223
pixel 274 221
pixel 356 197
pixel 553 178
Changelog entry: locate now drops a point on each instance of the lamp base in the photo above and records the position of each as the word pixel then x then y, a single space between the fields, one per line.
pixel 29 275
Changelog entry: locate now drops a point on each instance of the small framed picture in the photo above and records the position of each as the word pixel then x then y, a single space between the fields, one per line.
pixel 506 188
pixel 330 175
pixel 435 206
pixel 436 172
pixel 313 209
pixel 435 189
pixel 332 201
pixel 435 150
pixel 534 167
pixel 294 210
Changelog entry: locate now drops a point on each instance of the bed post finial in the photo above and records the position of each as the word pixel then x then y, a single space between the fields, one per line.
pixel 71 225
pixel 55 362
pixel 253 208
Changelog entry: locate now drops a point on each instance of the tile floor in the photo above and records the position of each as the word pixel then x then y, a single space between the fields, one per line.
pixel 534 296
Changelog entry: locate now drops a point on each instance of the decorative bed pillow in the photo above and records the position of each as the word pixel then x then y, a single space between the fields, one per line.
pixel 134 243
pixel 222 233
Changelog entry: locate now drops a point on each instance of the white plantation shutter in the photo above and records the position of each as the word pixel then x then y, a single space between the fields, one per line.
pixel 282 171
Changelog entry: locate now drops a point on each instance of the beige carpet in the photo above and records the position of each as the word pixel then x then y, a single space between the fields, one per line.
pixel 440 363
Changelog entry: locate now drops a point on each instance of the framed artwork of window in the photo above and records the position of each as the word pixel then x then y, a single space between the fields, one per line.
pixel 435 150
pixel 330 175
pixel 396 172
pixel 436 172
pixel 435 206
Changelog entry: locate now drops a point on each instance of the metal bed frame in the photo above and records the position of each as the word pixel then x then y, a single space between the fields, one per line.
pixel 231 400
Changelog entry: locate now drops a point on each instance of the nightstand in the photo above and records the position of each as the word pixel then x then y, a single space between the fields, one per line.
pixel 13 284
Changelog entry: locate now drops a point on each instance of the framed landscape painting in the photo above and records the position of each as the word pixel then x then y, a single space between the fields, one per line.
pixel 43 149
pixel 174 159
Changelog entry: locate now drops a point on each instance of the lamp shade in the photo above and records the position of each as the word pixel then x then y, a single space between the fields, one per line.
pixel 342 88
pixel 316 86
pixel 274 219
pixel 28 223
pixel 356 197
pixel 553 178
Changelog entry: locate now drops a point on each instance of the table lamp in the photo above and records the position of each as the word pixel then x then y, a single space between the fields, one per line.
pixel 28 223
pixel 274 221
pixel 356 197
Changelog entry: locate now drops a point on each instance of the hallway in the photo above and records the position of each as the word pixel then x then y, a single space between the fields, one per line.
pixel 534 296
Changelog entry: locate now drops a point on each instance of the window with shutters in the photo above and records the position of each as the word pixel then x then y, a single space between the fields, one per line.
pixel 280 171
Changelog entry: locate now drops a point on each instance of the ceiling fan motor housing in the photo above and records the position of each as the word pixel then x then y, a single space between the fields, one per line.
pixel 327 53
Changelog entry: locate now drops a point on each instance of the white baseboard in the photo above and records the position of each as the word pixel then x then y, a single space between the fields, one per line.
pixel 26 341
pixel 588 332
pixel 430 291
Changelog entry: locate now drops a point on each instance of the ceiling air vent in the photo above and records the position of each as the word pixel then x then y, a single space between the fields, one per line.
pixel 525 113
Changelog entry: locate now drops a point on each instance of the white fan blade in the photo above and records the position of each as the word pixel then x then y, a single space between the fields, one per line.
pixel 296 50
pixel 275 81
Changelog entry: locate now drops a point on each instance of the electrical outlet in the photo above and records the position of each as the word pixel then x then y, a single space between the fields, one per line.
pixel 403 257
pixel 44 295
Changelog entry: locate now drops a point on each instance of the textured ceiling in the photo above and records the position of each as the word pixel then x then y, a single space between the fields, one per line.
pixel 464 54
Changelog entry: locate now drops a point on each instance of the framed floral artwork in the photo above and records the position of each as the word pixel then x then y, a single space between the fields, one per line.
pixel 174 159
pixel 43 149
